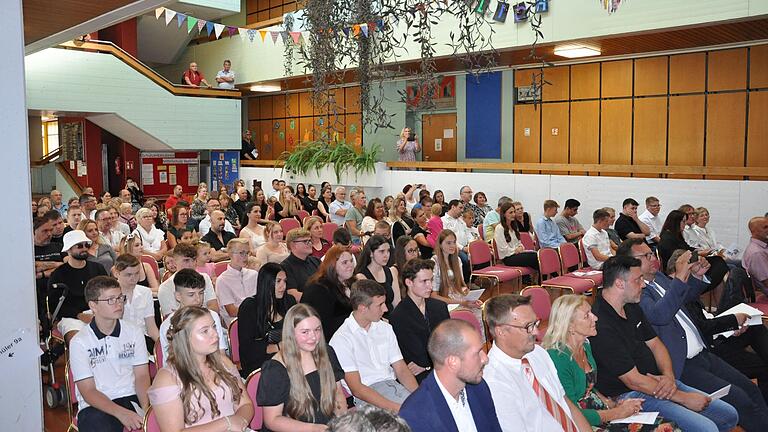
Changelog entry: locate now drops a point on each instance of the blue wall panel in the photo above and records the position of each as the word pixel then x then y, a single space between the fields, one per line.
pixel 483 116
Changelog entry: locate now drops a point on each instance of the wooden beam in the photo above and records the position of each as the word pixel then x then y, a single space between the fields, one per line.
pixel 177 90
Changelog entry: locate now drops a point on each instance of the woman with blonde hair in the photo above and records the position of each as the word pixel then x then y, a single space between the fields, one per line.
pixel 198 207
pixel 131 245
pixel 571 322
pixel 198 386
pixel 399 219
pixel 314 224
pixel 407 147
pixel 299 387
pixel 274 250
pixel 287 206
pixel 152 238
pixel 99 251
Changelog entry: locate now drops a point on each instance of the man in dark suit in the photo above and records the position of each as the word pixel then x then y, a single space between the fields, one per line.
pixel 663 302
pixel 454 397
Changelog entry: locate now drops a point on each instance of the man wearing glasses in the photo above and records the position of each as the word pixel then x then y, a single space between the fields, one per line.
pixel 300 264
pixel 75 274
pixel 109 363
pixel 651 218
pixel 523 380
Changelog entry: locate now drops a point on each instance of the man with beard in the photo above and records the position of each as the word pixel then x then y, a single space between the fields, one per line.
pixel 454 396
pixel 75 274
pixel 47 259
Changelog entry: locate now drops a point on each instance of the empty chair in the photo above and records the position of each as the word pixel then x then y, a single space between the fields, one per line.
pixel 570 261
pixel 251 385
pixel 551 276
pixel 480 256
pixel 303 214
pixel 288 224
pixel 328 229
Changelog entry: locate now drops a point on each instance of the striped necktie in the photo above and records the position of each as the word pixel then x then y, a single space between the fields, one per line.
pixel 547 400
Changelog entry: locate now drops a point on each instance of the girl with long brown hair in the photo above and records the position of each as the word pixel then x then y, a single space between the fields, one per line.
pixel 327 291
pixel 448 283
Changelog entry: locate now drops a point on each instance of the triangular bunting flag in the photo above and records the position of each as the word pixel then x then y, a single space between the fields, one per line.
pixel 296 36
pixel 263 34
pixel 218 28
pixel 209 27
pixel 364 28
pixel 346 31
pixel 169 14
pixel 191 23
pixel 286 37
pixel 380 24
pixel 200 25
pixel 371 26
pixel 159 11
pixel 356 29
pixel 252 35
pixel 274 35
pixel 180 17
pixel 243 33
pixel 231 30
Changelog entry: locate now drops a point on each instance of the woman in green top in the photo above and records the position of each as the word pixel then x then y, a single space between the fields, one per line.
pixel 571 322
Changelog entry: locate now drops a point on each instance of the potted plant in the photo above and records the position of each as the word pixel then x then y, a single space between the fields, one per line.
pixel 321 156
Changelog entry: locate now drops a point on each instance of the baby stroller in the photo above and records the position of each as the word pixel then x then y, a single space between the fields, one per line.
pixel 54 346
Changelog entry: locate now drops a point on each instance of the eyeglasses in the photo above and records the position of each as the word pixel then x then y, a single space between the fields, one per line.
pixel 306 241
pixel 83 245
pixel 530 327
pixel 648 256
pixel 112 300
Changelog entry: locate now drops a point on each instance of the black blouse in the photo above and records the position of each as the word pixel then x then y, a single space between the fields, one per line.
pixel 412 329
pixel 425 251
pixel 329 304
pixel 387 284
pixel 526 225
pixel 275 386
pixel 253 346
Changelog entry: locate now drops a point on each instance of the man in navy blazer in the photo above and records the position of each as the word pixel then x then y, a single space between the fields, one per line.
pixel 663 302
pixel 454 398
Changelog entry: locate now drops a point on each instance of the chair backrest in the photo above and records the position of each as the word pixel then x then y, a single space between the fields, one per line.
pixel 159 360
pixel 251 385
pixel 220 267
pixel 479 253
pixel 150 421
pixel 549 262
pixel 303 214
pixel 468 316
pixel 540 301
pixel 288 224
pixel 69 384
pixel 328 230
pixel 569 257
pixel 495 249
pixel 582 251
pixel 152 263
pixel 527 241
pixel 234 342
pixel 481 231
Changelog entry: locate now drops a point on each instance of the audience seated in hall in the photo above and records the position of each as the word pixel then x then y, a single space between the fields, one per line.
pixel 629 225
pixel 755 259
pixel 597 245
pixel 546 228
pixel 509 248
pixel 651 218
pixel 566 221
pixel 300 265
pixel 237 282
pixel 184 255
pixel 328 290
pixel 373 265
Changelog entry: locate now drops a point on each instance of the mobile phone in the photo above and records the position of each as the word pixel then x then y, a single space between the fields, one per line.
pixel 694 258
pixel 412 136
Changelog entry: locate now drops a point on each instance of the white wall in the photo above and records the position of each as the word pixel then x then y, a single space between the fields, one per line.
pixel 731 203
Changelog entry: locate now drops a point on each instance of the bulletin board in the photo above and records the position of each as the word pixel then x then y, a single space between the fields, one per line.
pixel 161 171
pixel 225 168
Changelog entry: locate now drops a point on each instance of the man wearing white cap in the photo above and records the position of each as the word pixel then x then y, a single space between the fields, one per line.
pixel 74 273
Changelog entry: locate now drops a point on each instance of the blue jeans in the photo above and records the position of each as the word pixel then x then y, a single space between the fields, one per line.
pixel 717 416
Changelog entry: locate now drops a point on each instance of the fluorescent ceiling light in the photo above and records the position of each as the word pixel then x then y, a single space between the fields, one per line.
pixel 265 88
pixel 575 51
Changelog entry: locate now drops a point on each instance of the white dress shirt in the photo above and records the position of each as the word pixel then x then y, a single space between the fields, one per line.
pixel 370 353
pixel 518 407
pixel 460 409
pixel 599 239
pixel 456 225
pixel 654 224
pixel 205 226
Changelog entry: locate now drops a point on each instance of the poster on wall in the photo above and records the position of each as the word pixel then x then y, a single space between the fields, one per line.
pixel 225 168
pixel 71 141
pixel 193 174
pixel 161 171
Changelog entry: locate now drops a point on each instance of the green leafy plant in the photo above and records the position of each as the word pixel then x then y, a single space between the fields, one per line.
pixel 340 156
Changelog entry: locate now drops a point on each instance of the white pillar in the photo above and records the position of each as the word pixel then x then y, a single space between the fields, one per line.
pixel 20 390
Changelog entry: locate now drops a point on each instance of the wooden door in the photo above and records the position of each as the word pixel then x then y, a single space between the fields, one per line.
pixel 438 136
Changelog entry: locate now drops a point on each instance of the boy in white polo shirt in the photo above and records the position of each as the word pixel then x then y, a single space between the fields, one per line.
pixel 190 291
pixel 108 358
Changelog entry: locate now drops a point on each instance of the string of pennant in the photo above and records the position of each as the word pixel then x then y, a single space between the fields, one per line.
pixel 219 30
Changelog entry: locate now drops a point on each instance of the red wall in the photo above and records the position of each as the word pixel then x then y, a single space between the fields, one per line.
pixel 122 35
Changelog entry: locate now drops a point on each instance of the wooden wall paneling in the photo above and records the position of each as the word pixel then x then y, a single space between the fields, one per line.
pixel 686 132
pixel 554 134
pixel 306 129
pixel 292 135
pixel 321 128
pixel 526 146
pixel 262 15
pixel 726 116
pixel 251 6
pixel 352 99
pixel 585 81
pixel 251 18
pixel 758 66
pixel 276 12
pixel 292 105
pixel 278 137
pixel 615 133
pixel 616 78
pixel 305 104
pixel 354 130
pixel 649 145
pixel 651 76
pixel 254 105
pixel 687 73
pixel 757 135
pixel 253 126
pixel 262 5
pixel 559 89
pixel 265 139
pixel 265 107
pixel 275 3
pixel 336 126
pixel 727 69
pixel 278 106
pixel 585 133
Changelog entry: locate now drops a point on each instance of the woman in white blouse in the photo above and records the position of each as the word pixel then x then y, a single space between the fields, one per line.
pixel 508 245
pixel 152 238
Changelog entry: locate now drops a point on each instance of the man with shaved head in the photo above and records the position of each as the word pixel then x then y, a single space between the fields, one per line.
pixel 755 260
pixel 218 237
